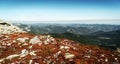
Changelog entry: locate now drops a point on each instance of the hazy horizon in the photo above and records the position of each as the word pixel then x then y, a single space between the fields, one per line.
pixel 68 22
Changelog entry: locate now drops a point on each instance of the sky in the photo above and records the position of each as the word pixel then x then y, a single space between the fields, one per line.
pixel 61 11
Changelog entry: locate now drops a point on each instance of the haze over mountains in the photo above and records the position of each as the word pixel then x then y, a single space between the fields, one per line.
pixel 104 35
pixel 82 29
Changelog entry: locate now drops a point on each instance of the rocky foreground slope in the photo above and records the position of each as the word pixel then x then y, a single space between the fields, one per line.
pixel 19 47
pixel 24 48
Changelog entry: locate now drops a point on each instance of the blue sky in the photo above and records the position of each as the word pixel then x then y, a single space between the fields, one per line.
pixel 57 10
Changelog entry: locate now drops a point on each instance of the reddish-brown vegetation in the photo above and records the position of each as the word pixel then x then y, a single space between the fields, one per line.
pixel 17 49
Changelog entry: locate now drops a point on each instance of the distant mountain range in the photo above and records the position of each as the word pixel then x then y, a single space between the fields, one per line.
pixel 81 29
pixel 95 34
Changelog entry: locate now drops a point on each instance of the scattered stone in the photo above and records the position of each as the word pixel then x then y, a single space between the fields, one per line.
pixel 22 39
pixel 35 40
pixel 12 56
pixel 24 52
pixel 34 51
pixel 64 47
pixel 30 62
pixel 118 50
pixel 69 55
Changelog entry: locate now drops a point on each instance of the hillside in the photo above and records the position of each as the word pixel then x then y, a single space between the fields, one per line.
pixel 110 40
pixel 85 39
pixel 24 48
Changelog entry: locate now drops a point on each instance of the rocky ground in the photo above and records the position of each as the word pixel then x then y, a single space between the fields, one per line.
pixel 7 28
pixel 19 47
pixel 24 48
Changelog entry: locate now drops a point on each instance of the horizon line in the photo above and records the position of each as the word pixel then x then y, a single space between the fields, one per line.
pixel 72 20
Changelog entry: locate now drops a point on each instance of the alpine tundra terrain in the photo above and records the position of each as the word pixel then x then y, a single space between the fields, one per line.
pixel 20 47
